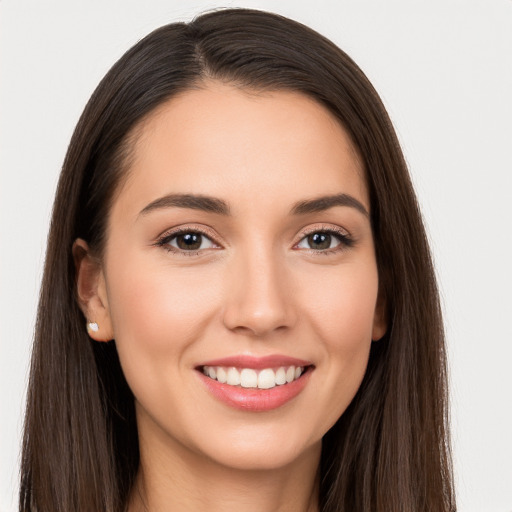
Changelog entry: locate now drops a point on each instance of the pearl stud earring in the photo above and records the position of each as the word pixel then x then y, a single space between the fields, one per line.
pixel 92 326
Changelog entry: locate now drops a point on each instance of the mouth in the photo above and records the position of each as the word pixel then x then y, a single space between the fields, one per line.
pixel 255 383
pixel 265 378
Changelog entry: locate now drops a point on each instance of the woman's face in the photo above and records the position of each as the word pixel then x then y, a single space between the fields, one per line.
pixel 240 246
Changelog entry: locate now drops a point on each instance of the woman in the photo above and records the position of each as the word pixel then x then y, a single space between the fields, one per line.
pixel 238 309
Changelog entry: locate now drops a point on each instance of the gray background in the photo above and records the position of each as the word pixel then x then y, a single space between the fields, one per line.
pixel 444 71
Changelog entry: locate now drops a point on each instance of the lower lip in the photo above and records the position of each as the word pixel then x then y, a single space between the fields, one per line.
pixel 254 399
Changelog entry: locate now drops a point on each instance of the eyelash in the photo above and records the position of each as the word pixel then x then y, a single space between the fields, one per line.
pixel 345 240
pixel 164 240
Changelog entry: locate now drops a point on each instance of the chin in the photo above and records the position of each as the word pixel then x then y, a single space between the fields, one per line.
pixel 260 452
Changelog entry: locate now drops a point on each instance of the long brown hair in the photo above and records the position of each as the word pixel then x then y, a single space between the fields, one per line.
pixel 389 451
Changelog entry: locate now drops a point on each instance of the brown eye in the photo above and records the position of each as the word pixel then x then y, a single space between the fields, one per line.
pixel 190 241
pixel 321 241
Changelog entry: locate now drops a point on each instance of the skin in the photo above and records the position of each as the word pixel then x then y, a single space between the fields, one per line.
pixel 255 286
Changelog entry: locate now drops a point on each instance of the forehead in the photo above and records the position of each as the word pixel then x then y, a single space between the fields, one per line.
pixel 242 145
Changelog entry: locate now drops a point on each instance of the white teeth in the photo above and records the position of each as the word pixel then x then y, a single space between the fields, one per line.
pixel 233 377
pixel 222 376
pixel 266 378
pixel 280 377
pixel 248 378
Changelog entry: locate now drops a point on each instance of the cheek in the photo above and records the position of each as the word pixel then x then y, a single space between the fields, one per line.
pixel 341 314
pixel 156 310
pixel 341 305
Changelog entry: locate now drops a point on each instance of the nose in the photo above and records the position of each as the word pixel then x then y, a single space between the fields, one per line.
pixel 259 299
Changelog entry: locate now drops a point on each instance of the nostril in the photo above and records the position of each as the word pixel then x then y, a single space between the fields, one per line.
pixel 258 323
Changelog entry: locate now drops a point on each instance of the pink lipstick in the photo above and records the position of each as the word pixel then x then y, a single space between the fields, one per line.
pixel 255 383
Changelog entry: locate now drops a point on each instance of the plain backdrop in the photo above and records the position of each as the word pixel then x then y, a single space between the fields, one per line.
pixel 444 71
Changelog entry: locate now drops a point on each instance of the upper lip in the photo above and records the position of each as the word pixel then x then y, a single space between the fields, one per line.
pixel 256 362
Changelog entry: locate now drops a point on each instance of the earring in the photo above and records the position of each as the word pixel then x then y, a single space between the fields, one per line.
pixel 92 326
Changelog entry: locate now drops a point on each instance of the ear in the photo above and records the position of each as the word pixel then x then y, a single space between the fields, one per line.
pixel 380 323
pixel 92 291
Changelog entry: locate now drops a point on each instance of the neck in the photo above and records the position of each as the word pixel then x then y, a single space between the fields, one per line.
pixel 177 479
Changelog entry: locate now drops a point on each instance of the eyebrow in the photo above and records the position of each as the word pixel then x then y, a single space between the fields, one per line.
pixel 191 201
pixel 218 206
pixel 320 204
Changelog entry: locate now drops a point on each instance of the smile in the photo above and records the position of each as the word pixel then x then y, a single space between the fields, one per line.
pixel 255 384
pixel 265 378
